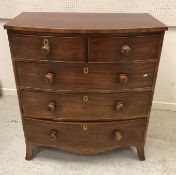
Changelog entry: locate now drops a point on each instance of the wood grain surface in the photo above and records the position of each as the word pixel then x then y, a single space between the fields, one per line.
pixel 73 77
pixel 73 107
pixel 98 136
pixel 85 22
pixel 109 49
pixel 61 48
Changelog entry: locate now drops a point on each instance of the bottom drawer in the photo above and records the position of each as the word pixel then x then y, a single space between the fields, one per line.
pixel 85 137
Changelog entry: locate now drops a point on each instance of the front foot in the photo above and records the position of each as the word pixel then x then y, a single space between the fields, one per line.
pixel 140 152
pixel 30 147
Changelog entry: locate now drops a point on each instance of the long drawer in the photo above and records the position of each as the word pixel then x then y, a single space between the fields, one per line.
pixel 85 137
pixel 85 107
pixel 59 76
pixel 114 49
pixel 47 48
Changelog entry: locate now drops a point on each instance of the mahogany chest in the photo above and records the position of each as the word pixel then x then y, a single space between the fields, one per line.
pixel 85 81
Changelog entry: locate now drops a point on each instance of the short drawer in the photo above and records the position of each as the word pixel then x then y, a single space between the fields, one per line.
pixel 35 47
pixel 113 49
pixel 59 76
pixel 85 106
pixel 85 137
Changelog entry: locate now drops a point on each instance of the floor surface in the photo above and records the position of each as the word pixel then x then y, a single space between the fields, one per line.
pixel 160 150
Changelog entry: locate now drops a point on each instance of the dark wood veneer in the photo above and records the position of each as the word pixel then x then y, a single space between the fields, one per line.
pixel 85 23
pixel 85 81
pixel 72 76
pixel 60 48
pixel 97 137
pixel 109 49
pixel 73 107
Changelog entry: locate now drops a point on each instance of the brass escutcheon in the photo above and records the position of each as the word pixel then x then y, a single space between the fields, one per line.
pixel 84 127
pixel 45 49
pixel 86 70
pixel 45 42
pixel 85 98
pixel 146 75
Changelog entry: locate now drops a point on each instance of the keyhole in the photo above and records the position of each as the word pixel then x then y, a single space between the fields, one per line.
pixel 86 70
pixel 85 98
pixel 45 42
pixel 84 127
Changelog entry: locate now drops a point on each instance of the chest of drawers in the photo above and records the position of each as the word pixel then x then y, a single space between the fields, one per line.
pixel 85 82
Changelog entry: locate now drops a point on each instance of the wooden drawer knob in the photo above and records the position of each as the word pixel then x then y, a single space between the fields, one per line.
pixel 125 50
pixel 49 78
pixel 53 134
pixel 123 79
pixel 45 49
pixel 118 135
pixel 51 106
pixel 119 106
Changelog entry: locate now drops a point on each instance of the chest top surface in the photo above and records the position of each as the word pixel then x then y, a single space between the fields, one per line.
pixel 85 22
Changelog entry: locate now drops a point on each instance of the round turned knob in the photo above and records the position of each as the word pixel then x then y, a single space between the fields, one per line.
pixel 45 49
pixel 119 106
pixel 51 106
pixel 125 50
pixel 123 79
pixel 118 135
pixel 53 134
pixel 49 78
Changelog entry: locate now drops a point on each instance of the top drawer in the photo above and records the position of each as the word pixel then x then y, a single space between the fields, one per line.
pixel 113 49
pixel 47 48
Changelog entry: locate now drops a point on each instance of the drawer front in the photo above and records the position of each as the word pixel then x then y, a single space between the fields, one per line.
pixel 85 107
pixel 82 137
pixel 123 48
pixel 47 48
pixel 58 76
